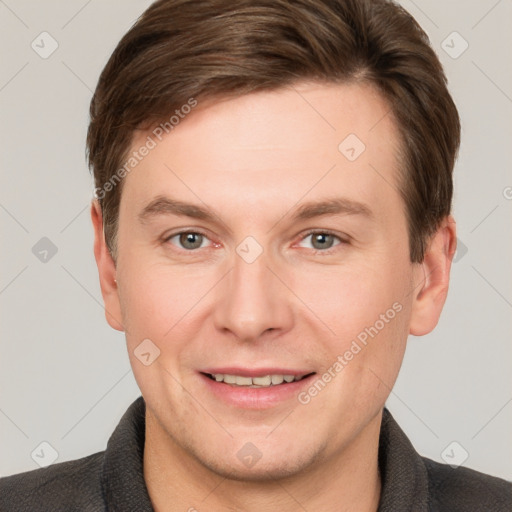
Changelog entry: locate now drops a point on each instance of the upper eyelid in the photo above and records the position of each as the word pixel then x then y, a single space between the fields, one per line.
pixel 310 232
pixel 166 238
pixel 183 231
pixel 342 239
pixel 324 231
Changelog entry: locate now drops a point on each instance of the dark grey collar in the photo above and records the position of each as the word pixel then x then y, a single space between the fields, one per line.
pixel 123 482
pixel 403 473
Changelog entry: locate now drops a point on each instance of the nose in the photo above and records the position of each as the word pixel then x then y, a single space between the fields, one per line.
pixel 253 301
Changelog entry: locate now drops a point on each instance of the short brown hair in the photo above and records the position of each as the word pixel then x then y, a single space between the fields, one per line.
pixel 183 49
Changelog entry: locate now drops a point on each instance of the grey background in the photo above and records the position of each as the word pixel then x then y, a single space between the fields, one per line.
pixel 65 377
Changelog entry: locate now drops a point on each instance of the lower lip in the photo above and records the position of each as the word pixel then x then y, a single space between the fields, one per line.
pixel 245 397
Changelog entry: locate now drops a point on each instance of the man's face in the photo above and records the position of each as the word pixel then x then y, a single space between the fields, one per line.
pixel 250 292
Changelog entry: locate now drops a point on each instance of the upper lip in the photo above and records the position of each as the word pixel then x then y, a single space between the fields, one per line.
pixel 255 372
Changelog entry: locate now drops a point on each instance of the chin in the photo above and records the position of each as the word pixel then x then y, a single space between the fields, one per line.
pixel 270 467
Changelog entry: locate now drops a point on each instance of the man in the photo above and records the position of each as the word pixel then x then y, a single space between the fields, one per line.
pixel 272 220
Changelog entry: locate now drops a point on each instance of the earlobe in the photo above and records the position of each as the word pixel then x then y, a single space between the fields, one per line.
pixel 432 279
pixel 106 270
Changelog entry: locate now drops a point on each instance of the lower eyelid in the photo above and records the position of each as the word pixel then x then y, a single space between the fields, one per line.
pixel 338 237
pixel 168 238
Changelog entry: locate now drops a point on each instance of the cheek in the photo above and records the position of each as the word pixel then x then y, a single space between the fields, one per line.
pixel 159 300
pixel 349 298
pixel 156 304
pixel 367 307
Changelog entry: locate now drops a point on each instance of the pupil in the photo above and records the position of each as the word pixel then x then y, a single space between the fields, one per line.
pixel 322 238
pixel 191 238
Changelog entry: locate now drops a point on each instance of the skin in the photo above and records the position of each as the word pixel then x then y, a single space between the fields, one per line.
pixel 252 161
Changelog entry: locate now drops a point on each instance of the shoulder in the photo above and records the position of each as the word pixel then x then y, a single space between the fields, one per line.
pixel 464 489
pixel 65 486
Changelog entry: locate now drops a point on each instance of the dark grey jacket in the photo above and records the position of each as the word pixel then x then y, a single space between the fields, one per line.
pixel 113 480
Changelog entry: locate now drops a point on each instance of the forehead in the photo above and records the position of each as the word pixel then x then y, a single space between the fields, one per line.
pixel 273 146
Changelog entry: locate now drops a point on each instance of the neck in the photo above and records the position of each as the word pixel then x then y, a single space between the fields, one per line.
pixel 345 480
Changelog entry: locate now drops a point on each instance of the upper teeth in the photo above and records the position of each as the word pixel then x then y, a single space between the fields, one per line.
pixel 267 380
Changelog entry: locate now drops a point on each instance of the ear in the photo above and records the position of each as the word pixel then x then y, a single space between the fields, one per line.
pixel 434 276
pixel 106 270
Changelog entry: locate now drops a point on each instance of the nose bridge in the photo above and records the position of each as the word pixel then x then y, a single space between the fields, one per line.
pixel 253 299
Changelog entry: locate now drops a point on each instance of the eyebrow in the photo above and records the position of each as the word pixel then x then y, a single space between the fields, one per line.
pixel 162 205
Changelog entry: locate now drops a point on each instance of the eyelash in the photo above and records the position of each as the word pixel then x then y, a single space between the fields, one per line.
pixel 342 241
pixel 308 233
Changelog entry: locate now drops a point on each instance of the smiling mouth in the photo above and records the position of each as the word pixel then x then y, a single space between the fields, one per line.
pixel 264 381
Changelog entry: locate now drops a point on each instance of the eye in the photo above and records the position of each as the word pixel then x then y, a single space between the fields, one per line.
pixel 188 240
pixel 322 241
